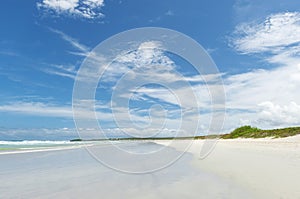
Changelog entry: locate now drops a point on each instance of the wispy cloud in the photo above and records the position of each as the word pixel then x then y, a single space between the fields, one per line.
pixel 9 53
pixel 71 41
pixel 61 70
pixel 132 72
pixel 88 9
pixel 48 109
pixel 37 108
pixel 67 70
pixel 276 33
pixel 168 13
pixel 38 134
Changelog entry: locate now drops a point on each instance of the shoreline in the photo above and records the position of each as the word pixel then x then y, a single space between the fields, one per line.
pixel 238 168
pixel 77 175
pixel 40 149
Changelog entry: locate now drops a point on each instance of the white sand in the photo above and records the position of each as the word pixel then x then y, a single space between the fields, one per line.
pixel 242 168
pixel 269 168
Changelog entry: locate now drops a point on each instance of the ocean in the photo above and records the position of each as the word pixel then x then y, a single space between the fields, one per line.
pixel 33 145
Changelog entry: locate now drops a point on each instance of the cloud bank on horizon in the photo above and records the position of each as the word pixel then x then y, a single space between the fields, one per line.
pixel 266 97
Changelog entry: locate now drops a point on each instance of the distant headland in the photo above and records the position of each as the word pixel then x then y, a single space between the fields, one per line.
pixel 241 132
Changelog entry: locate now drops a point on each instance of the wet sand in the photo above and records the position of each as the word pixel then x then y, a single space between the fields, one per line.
pixel 74 173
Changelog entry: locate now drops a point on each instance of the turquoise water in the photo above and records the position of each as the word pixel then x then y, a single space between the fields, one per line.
pixel 33 144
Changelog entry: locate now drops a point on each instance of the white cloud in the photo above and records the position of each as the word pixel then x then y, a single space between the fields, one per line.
pixel 169 13
pixel 37 108
pixel 274 34
pixel 38 134
pixel 71 41
pixel 49 109
pixel 275 114
pixel 147 54
pixel 249 92
pixel 9 53
pixel 61 70
pixel 267 98
pixel 89 9
pixel 148 64
pixel 68 70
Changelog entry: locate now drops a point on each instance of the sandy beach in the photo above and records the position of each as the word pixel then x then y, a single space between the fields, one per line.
pixel 268 168
pixel 241 168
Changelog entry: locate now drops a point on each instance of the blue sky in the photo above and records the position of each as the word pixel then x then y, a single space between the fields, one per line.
pixel 255 45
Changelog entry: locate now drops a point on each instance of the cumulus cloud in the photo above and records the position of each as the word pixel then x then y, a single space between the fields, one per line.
pixel 271 95
pixel 274 114
pixel 251 95
pixel 89 9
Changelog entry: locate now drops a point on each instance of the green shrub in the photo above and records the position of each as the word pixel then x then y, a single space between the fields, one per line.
pixel 253 132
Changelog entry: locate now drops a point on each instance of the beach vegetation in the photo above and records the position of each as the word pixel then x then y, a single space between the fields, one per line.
pixel 253 132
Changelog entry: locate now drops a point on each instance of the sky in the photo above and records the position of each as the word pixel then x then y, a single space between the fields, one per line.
pixel 43 43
